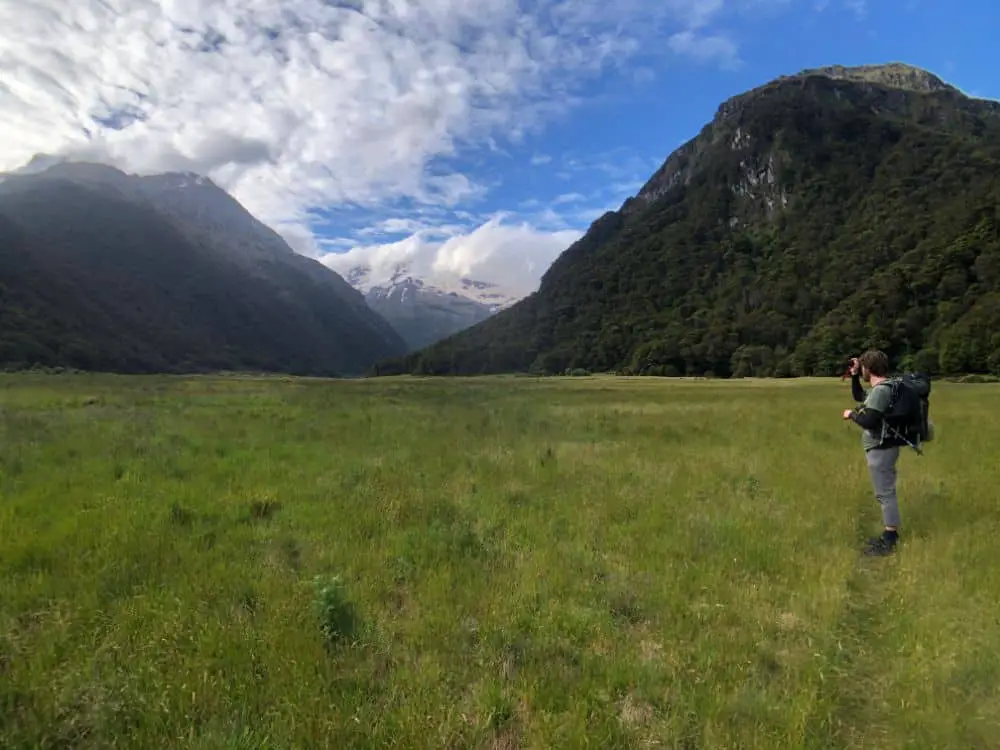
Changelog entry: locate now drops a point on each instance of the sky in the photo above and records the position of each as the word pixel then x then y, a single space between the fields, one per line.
pixel 465 137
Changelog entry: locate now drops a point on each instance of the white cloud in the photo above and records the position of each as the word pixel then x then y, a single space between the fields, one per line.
pixel 512 255
pixel 306 105
pixel 705 47
pixel 309 99
pixel 393 226
pixel 306 102
pixel 569 198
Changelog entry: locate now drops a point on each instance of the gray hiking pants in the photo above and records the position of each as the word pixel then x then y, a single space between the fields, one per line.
pixel 882 468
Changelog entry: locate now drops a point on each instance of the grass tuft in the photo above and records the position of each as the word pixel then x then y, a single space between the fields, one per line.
pixel 263 510
pixel 338 620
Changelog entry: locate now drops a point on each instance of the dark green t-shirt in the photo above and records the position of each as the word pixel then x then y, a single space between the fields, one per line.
pixel 877 398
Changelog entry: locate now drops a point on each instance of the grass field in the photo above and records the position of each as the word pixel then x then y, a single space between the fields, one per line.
pixel 495 563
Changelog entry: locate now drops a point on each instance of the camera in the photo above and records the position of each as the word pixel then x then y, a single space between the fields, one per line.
pixel 848 365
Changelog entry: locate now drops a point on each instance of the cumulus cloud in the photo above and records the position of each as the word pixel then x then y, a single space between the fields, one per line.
pixel 511 255
pixel 301 105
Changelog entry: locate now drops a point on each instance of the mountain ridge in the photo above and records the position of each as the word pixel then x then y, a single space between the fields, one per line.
pixel 763 244
pixel 862 80
pixel 892 75
pixel 104 270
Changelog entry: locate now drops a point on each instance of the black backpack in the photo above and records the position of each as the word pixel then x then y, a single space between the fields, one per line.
pixel 908 417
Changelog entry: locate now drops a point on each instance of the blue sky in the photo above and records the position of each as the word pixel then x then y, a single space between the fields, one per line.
pixel 461 138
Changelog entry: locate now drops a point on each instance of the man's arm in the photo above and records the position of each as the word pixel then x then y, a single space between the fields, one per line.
pixel 856 390
pixel 867 417
pixel 871 414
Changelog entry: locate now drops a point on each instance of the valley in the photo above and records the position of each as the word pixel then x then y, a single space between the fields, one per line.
pixel 444 375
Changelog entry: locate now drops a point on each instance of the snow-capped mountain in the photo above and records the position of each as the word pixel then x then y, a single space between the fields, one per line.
pixel 493 296
pixel 424 309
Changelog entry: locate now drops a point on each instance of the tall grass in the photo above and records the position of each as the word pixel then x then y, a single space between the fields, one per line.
pixel 496 562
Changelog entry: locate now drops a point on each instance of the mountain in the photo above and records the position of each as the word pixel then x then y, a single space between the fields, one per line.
pixel 815 215
pixel 166 273
pixel 426 309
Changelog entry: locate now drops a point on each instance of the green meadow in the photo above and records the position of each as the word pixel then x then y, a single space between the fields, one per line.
pixel 238 562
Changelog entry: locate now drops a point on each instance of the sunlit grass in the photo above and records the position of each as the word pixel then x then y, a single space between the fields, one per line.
pixel 508 562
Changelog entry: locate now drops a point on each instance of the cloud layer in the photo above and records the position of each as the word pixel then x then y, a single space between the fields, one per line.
pixel 511 255
pixel 319 102
pixel 300 105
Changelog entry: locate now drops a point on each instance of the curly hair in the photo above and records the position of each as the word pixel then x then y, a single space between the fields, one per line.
pixel 875 361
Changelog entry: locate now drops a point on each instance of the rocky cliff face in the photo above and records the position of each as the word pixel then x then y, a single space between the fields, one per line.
pixel 893 90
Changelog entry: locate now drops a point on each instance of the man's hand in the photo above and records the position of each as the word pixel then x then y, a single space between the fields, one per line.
pixel 847 413
pixel 854 366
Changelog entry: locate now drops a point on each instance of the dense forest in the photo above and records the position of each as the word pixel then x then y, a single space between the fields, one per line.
pixel 814 216
pixel 104 271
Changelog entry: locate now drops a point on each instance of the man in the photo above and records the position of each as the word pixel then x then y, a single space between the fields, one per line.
pixel 881 451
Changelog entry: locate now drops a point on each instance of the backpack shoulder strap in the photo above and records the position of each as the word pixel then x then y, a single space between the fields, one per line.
pixel 892 384
pixel 895 385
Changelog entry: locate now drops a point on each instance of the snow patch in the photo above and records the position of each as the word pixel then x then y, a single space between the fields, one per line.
pixel 400 281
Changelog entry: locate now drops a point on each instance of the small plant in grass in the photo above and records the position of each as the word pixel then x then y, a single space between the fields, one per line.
pixel 263 510
pixel 180 515
pixel 338 619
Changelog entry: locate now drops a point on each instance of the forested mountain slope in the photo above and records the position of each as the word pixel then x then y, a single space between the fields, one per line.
pixel 100 270
pixel 815 215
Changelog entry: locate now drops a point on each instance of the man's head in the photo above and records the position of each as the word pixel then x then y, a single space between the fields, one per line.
pixel 874 363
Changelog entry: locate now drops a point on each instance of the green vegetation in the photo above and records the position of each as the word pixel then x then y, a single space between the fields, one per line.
pixel 811 218
pixel 118 273
pixel 500 562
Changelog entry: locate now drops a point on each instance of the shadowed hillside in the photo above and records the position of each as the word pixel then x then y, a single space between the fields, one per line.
pixel 104 271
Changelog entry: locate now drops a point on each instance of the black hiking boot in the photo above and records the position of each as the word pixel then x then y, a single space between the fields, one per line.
pixel 883 545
